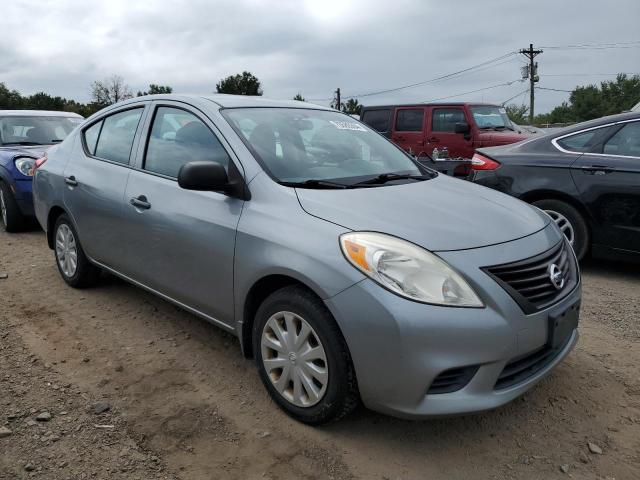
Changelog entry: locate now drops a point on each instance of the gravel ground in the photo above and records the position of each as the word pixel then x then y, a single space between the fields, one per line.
pixel 113 383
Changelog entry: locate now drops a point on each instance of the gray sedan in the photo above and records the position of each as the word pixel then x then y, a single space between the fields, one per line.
pixel 347 270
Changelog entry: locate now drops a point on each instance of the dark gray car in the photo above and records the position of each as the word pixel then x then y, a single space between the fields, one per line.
pixel 350 272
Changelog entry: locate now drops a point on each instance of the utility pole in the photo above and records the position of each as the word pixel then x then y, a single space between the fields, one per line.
pixel 530 53
pixel 338 99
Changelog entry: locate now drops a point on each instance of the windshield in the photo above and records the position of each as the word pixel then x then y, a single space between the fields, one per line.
pixel 35 130
pixel 303 145
pixel 491 116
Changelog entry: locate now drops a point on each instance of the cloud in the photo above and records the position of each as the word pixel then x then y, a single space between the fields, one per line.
pixel 310 46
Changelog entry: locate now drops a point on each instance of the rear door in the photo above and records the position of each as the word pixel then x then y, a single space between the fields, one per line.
pixel 408 130
pixel 179 242
pixel 608 179
pixel 442 132
pixel 96 178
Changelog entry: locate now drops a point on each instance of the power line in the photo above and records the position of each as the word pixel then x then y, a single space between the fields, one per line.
pixel 515 96
pixel 554 89
pixel 473 91
pixel 587 74
pixel 594 46
pixel 431 80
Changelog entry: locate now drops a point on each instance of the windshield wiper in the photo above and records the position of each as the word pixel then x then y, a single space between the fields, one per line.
pixel 389 177
pixel 21 143
pixel 316 183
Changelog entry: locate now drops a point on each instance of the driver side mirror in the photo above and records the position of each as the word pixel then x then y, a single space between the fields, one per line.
pixel 203 176
pixel 462 127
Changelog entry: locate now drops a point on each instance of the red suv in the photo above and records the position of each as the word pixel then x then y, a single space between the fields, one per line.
pixel 455 129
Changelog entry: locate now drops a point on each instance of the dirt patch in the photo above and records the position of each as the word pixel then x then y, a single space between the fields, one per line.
pixel 185 404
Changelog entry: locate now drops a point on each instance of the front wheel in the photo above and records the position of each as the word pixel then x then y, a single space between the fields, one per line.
pixel 570 222
pixel 302 358
pixel 10 215
pixel 73 265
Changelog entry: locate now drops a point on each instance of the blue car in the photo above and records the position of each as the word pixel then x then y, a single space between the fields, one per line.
pixel 25 136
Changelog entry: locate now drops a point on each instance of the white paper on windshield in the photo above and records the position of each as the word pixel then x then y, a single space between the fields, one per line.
pixel 348 126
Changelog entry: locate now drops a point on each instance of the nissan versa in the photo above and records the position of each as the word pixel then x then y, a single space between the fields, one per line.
pixel 347 270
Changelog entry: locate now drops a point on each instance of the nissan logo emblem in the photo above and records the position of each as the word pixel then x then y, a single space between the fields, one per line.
pixel 556 276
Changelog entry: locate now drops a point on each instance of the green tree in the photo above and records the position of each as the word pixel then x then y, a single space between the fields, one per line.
pixel 593 101
pixel 518 113
pixel 240 84
pixel 155 90
pixel 109 91
pixel 10 99
pixel 299 97
pixel 352 107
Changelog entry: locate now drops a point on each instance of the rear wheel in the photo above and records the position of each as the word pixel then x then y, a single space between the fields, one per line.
pixel 302 357
pixel 10 216
pixel 570 222
pixel 73 265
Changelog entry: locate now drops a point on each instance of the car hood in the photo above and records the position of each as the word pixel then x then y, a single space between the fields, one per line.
pixel 492 137
pixel 439 214
pixel 27 150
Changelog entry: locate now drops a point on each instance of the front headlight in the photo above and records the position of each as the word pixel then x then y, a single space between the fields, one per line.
pixel 25 165
pixel 407 270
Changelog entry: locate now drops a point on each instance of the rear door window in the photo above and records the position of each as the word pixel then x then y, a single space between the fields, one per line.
pixel 377 119
pixel 409 120
pixel 116 136
pixel 625 141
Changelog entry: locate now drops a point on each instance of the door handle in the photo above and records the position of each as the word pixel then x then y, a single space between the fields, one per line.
pixel 597 169
pixel 420 143
pixel 71 181
pixel 433 140
pixel 140 202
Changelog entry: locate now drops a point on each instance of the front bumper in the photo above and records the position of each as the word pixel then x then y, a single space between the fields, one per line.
pixel 22 192
pixel 399 347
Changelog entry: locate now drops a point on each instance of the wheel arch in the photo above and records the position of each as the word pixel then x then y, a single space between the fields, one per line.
pixel 52 217
pixel 545 194
pixel 258 292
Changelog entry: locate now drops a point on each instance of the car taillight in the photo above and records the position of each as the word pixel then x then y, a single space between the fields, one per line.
pixel 480 162
pixel 38 163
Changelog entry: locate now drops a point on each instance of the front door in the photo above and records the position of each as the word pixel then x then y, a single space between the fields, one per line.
pixel 442 132
pixel 408 130
pixel 95 183
pixel 180 243
pixel 608 178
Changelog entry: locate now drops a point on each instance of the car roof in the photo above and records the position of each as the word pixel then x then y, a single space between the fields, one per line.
pixel 232 101
pixel 438 104
pixel 620 117
pixel 37 113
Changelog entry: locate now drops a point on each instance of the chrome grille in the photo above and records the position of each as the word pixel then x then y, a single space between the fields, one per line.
pixel 540 281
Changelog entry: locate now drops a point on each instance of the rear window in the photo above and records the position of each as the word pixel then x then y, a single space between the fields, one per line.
pixel 580 142
pixel 409 120
pixel 377 119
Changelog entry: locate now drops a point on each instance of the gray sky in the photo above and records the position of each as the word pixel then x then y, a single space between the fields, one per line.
pixel 314 46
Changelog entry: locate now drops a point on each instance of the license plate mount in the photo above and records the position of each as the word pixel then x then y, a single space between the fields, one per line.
pixel 561 324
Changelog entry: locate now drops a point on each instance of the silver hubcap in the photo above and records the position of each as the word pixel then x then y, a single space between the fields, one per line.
pixel 66 250
pixel 563 224
pixel 3 208
pixel 294 359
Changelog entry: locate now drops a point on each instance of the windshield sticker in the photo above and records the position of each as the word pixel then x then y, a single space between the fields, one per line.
pixel 348 126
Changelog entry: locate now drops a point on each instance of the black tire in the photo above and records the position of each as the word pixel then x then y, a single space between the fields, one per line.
pixel 581 240
pixel 11 219
pixel 86 274
pixel 341 395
